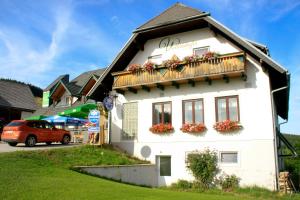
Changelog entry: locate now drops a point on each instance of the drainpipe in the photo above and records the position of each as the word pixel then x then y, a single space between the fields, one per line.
pixel 275 132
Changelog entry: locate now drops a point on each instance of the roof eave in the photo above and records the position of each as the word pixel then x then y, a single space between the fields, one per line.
pixel 139 30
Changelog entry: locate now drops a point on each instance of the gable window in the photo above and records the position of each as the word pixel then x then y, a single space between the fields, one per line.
pixel 193 111
pixel 228 157
pixel 227 108
pixel 162 113
pixel 68 101
pixel 200 51
pixel 130 121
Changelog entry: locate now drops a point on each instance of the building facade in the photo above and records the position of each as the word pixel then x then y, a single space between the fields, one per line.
pixel 185 68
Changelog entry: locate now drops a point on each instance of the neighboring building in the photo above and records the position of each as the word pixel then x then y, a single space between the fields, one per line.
pixel 241 84
pixel 62 94
pixel 17 100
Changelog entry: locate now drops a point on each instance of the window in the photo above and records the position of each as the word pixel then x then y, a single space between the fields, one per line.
pixel 155 58
pixel 200 51
pixel 68 100
pixel 227 108
pixel 162 113
pixel 165 165
pixel 130 121
pixel 193 111
pixel 228 157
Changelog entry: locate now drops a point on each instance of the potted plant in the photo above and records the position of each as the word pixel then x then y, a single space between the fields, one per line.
pixel 227 126
pixel 191 59
pixel 162 128
pixel 210 55
pixel 134 68
pixel 172 63
pixel 193 128
pixel 149 66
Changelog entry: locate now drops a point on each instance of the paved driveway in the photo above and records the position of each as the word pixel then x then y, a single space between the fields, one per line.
pixel 40 146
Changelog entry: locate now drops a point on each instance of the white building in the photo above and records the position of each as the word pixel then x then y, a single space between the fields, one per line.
pixel 241 84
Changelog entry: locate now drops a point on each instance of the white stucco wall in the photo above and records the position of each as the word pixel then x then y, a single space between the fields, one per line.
pixel 254 143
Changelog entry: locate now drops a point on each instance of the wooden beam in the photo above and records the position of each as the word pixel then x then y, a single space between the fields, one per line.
pixel 191 82
pixel 130 89
pixel 226 78
pixel 139 45
pixel 159 86
pixel 145 88
pixel 244 76
pixel 120 91
pixel 174 83
pixel 208 80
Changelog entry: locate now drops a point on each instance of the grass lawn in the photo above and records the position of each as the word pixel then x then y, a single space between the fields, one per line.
pixel 46 175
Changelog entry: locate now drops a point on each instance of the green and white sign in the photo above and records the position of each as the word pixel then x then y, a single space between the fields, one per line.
pixel 46 99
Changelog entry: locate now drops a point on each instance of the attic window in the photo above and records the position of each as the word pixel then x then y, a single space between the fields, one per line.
pixel 200 51
pixel 155 58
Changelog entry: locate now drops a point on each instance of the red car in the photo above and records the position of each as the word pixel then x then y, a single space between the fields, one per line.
pixel 31 132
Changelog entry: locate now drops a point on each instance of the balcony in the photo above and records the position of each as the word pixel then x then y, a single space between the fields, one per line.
pixel 223 67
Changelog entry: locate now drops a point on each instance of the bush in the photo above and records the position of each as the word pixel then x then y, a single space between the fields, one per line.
pixel 182 184
pixel 204 167
pixel 229 182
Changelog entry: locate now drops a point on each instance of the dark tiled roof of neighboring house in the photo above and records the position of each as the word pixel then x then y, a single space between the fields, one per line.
pixel 16 95
pixel 75 86
pixel 64 77
pixel 176 12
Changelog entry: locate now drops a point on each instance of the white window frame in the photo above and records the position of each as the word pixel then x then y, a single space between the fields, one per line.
pixel 229 163
pixel 123 138
pixel 156 59
pixel 205 47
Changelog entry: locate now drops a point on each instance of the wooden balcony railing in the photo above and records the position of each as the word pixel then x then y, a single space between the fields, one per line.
pixel 225 66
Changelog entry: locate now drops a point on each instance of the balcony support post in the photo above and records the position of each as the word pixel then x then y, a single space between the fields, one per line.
pixel 244 76
pixel 208 80
pixel 191 82
pixel 159 86
pixel 147 89
pixel 174 83
pixel 120 91
pixel 226 78
pixel 130 89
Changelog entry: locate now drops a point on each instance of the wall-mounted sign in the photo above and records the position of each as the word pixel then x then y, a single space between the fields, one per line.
pixel 94 120
pixel 168 43
pixel 108 103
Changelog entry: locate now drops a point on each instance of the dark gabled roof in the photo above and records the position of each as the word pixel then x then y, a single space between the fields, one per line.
pixel 176 12
pixel 260 46
pixel 64 77
pixel 75 86
pixel 16 95
pixel 177 19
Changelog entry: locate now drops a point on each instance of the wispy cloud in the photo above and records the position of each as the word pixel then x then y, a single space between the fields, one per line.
pixel 23 55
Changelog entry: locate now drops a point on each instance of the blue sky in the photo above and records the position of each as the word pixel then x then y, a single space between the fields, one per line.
pixel 40 40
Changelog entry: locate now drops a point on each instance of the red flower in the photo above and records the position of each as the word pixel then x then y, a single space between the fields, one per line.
pixel 134 68
pixel 162 128
pixel 193 128
pixel 149 66
pixel 227 126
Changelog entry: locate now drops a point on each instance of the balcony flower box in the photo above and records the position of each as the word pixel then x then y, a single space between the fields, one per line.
pixel 193 128
pixel 210 55
pixel 133 68
pixel 227 126
pixel 149 66
pixel 162 128
pixel 172 63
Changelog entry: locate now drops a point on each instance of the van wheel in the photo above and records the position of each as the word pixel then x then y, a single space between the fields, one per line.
pixel 48 143
pixel 30 141
pixel 13 144
pixel 66 139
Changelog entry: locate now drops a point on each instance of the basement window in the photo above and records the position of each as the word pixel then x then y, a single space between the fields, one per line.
pixel 228 157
